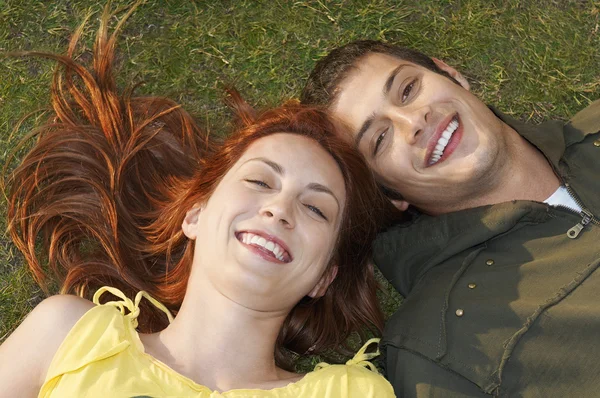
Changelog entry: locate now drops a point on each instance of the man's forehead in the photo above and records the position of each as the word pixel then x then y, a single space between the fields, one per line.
pixel 380 63
pixel 362 92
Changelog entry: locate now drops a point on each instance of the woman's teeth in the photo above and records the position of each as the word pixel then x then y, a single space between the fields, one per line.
pixel 252 239
pixel 438 151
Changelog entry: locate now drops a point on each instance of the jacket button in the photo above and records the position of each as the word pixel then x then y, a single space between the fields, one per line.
pixel 490 262
pixel 472 285
pixel 597 143
pixel 459 312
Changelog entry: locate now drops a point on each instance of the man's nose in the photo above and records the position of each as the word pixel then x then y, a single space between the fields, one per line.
pixel 412 122
pixel 279 209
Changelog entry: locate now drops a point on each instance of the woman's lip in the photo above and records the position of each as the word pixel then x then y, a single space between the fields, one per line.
pixel 262 252
pixel 452 144
pixel 268 237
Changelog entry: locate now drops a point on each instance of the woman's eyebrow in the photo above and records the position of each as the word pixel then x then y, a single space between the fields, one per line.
pixel 275 166
pixel 315 186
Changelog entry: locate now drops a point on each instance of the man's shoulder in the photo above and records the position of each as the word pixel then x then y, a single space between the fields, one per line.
pixel 588 119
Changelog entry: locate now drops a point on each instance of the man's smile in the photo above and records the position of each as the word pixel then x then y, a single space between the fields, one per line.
pixel 446 138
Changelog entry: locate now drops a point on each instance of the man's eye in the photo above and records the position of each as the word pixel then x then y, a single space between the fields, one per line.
pixel 379 141
pixel 317 211
pixel 259 183
pixel 408 89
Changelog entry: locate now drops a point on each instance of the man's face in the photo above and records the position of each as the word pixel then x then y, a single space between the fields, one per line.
pixel 425 136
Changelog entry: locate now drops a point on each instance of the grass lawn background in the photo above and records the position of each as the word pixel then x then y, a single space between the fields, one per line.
pixel 535 59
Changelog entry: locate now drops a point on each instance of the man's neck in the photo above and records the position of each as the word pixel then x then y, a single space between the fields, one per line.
pixel 527 174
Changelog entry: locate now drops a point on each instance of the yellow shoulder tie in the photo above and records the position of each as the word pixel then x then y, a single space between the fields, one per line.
pixel 132 306
pixel 361 358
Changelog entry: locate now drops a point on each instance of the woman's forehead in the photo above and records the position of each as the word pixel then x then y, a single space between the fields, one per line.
pixel 297 156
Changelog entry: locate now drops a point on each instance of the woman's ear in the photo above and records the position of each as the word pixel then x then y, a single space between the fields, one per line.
pixel 326 280
pixel 190 222
pixel 453 73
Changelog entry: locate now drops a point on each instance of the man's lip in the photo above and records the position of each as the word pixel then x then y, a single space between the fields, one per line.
pixel 436 137
pixel 267 236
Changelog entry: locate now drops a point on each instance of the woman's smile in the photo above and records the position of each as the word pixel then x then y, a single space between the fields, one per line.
pixel 267 246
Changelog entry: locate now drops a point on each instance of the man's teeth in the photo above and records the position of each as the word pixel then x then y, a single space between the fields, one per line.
pixel 438 151
pixel 252 239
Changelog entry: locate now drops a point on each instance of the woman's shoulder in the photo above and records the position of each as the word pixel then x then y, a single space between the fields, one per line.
pixel 100 331
pixel 356 379
pixel 93 330
pixel 34 343
pixel 66 308
pixel 52 320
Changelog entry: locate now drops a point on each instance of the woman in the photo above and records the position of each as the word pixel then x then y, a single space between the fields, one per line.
pixel 258 245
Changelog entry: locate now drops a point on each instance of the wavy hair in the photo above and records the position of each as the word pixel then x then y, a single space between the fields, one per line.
pixel 100 198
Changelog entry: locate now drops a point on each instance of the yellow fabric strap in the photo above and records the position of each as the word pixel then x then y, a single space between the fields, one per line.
pixel 132 306
pixel 361 358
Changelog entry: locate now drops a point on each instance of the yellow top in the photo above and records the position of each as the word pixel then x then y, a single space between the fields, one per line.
pixel 102 356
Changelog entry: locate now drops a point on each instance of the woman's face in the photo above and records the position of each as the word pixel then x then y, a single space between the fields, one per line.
pixel 267 234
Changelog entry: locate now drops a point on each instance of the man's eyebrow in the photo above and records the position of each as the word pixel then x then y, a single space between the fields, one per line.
pixel 363 129
pixel 386 89
pixel 315 186
pixel 390 80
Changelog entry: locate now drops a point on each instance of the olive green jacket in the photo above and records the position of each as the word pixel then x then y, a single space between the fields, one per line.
pixel 500 301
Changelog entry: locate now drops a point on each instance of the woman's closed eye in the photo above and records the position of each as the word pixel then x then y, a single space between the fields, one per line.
pixel 317 211
pixel 263 185
pixel 259 183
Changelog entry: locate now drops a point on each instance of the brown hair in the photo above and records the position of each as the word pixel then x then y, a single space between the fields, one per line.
pixel 104 191
pixel 322 86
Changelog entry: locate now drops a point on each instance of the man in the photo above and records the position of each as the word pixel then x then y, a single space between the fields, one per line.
pixel 499 266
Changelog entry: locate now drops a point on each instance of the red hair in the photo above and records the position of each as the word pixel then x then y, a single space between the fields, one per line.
pixel 106 186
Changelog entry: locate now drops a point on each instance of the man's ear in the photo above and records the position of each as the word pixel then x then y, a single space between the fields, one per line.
pixel 401 205
pixel 321 286
pixel 453 73
pixel 190 222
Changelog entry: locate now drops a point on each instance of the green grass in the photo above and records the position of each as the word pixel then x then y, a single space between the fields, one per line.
pixel 535 59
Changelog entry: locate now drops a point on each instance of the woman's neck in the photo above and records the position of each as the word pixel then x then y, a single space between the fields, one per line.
pixel 219 343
